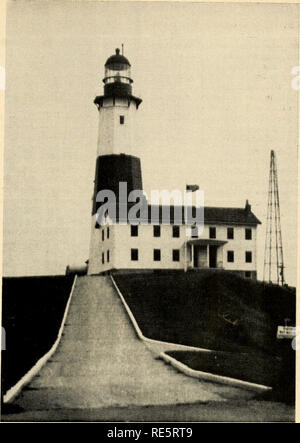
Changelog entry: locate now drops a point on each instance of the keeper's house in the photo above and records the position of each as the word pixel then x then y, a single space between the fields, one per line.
pixel 228 240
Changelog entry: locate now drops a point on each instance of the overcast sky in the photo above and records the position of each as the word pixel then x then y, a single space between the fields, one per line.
pixel 215 80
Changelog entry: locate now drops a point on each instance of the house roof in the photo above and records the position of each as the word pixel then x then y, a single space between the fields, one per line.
pixel 212 215
pixel 240 216
pixel 158 214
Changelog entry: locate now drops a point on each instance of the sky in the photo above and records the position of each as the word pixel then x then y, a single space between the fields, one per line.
pixel 215 80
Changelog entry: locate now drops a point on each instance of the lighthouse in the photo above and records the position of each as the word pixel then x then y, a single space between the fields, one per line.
pixel 116 159
pixel 152 244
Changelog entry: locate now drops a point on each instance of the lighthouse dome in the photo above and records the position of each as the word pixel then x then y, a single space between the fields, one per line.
pixel 114 61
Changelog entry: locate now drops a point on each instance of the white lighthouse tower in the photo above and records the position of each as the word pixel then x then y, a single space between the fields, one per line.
pixel 117 108
pixel 116 150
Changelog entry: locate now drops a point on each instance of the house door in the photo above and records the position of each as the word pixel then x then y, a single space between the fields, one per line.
pixel 200 256
pixel 196 257
pixel 212 256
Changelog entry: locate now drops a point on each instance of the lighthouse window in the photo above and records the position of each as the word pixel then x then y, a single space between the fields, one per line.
pixel 107 256
pixel 103 258
pixel 107 234
pixel 102 235
pixel 122 119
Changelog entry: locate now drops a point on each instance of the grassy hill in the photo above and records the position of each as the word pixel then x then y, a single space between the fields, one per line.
pixel 32 311
pixel 236 317
pixel 216 310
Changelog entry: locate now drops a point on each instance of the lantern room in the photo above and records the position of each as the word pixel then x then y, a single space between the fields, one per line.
pixel 117 80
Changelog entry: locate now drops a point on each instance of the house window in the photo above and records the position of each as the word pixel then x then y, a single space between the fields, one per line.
pixel 103 258
pixel 122 119
pixel 230 233
pixel 194 232
pixel 248 257
pixel 248 274
pixel 156 254
pixel 230 256
pixel 176 231
pixel 176 255
pixel 156 231
pixel 134 230
pixel 107 256
pixel 134 254
pixel 102 234
pixel 107 232
pixel 248 234
pixel 212 232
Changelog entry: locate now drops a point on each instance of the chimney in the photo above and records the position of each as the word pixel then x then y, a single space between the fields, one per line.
pixel 247 207
pixel 191 196
pixel 192 188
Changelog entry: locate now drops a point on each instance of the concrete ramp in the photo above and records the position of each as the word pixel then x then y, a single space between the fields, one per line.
pixel 100 362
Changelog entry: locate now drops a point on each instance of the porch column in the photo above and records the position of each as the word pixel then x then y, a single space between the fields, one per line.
pixel 207 256
pixel 220 252
pixel 192 254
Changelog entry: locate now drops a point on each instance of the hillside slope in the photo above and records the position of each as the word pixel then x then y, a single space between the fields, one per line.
pixel 32 310
pixel 223 312
pixel 217 310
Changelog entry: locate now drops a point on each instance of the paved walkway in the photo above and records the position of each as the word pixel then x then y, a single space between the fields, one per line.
pixel 100 363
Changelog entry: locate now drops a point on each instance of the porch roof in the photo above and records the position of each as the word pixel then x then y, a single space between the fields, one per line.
pixel 206 241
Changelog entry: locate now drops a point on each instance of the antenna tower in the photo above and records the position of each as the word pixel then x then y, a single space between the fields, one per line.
pixel 273 245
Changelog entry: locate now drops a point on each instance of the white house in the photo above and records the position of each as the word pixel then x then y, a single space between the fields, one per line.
pixel 228 240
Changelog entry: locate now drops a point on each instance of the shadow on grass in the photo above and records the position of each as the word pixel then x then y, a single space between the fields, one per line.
pixel 32 311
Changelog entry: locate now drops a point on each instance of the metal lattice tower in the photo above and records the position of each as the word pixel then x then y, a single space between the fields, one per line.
pixel 273 246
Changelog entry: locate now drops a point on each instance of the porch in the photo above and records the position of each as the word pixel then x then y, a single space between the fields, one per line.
pixel 204 253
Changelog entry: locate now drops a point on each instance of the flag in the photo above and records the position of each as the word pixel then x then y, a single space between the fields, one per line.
pixel 192 188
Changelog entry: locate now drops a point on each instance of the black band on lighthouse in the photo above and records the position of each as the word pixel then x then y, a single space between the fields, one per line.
pixel 113 169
